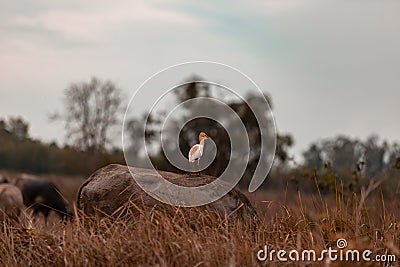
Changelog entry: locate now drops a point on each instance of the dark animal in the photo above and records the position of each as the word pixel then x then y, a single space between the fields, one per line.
pixel 42 196
pixel 111 187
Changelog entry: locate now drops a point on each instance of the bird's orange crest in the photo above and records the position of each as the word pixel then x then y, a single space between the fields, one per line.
pixel 202 136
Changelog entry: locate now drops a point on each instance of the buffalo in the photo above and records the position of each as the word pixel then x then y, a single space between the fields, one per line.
pixel 113 186
pixel 42 196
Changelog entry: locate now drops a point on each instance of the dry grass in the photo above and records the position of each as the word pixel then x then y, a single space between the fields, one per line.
pixel 180 237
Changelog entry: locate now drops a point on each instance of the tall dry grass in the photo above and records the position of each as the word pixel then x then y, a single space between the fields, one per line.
pixel 191 237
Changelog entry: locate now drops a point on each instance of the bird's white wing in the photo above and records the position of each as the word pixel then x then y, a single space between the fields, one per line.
pixel 195 153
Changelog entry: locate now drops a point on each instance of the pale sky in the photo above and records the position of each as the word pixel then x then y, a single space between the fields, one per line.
pixel 331 67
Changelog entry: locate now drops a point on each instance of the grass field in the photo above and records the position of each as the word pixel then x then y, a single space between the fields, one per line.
pixel 287 220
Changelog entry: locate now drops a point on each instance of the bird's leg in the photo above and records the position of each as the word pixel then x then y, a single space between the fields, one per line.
pixel 192 168
pixel 198 167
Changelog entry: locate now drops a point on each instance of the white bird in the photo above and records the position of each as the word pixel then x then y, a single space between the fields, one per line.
pixel 196 151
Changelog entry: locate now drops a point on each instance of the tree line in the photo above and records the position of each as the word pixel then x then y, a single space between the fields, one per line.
pixel 92 111
pixel 20 152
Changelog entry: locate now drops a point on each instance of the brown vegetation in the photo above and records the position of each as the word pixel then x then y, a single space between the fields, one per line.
pixel 193 237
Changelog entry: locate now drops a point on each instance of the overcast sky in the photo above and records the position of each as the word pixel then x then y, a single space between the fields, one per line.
pixel 331 67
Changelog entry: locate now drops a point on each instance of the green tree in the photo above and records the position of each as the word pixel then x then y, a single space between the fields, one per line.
pixel 188 134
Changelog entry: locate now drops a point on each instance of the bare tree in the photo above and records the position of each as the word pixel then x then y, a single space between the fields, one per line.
pixel 90 112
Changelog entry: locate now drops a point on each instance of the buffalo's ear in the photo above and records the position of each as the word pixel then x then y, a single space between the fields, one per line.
pixel 3 180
